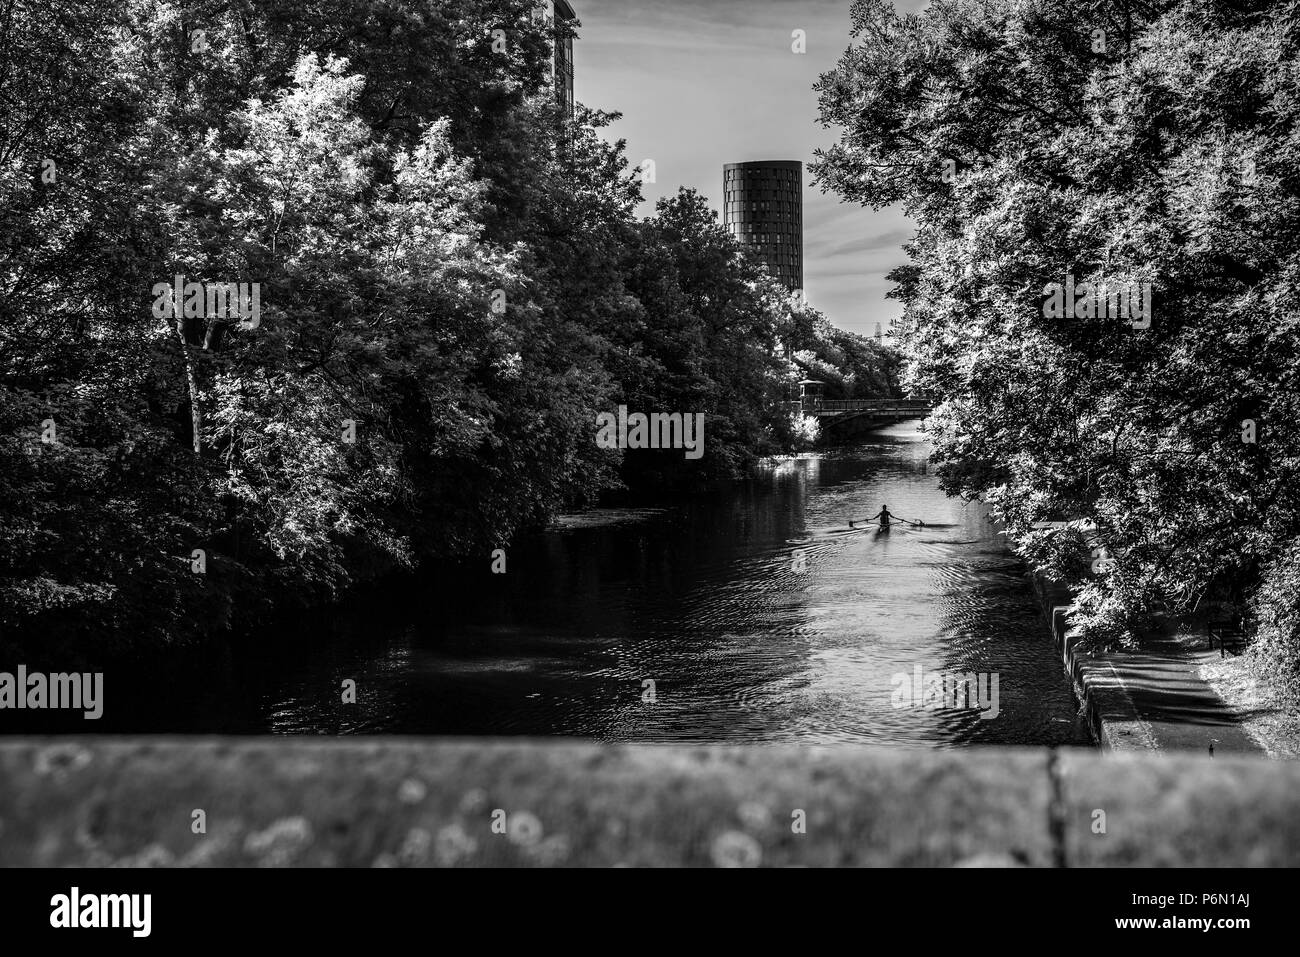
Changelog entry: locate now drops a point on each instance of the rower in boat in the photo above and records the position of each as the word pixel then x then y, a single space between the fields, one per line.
pixel 885 517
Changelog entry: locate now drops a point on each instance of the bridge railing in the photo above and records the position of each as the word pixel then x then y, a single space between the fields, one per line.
pixel 813 405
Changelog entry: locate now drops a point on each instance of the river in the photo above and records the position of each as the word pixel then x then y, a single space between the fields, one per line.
pixel 750 615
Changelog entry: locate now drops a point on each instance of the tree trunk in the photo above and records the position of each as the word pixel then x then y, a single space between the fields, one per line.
pixel 191 378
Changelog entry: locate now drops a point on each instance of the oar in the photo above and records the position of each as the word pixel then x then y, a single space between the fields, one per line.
pixel 906 521
pixel 874 523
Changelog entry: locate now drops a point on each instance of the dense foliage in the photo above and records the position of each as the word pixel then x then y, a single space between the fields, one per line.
pixel 452 284
pixel 851 366
pixel 1045 141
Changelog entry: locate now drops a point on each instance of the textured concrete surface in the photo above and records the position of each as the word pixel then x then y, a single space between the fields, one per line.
pixel 1180 811
pixel 412 802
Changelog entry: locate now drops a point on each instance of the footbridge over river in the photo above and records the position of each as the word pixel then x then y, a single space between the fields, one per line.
pixel 853 415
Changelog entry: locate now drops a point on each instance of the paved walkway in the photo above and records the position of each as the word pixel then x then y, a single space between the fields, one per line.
pixel 1158 701
pixel 1148 699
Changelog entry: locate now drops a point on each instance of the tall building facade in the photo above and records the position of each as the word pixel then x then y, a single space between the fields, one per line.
pixel 563 60
pixel 762 206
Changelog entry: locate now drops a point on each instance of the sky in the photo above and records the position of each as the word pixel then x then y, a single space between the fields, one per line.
pixel 701 83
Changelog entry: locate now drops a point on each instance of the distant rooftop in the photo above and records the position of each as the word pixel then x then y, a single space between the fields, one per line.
pixel 782 163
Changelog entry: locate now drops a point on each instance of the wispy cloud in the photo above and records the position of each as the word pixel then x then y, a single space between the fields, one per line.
pixel 889 242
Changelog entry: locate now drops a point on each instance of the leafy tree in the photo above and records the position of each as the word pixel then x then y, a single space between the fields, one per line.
pixel 451 282
pixel 852 366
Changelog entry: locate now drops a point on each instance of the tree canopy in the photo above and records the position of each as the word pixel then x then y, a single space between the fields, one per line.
pixel 452 283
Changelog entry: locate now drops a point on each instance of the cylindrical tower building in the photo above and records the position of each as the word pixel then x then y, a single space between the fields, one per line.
pixel 563 60
pixel 763 207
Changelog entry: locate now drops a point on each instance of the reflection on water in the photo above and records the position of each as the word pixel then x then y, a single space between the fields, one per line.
pixel 705 601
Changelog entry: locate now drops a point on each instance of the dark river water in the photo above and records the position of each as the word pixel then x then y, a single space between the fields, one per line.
pixel 755 613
